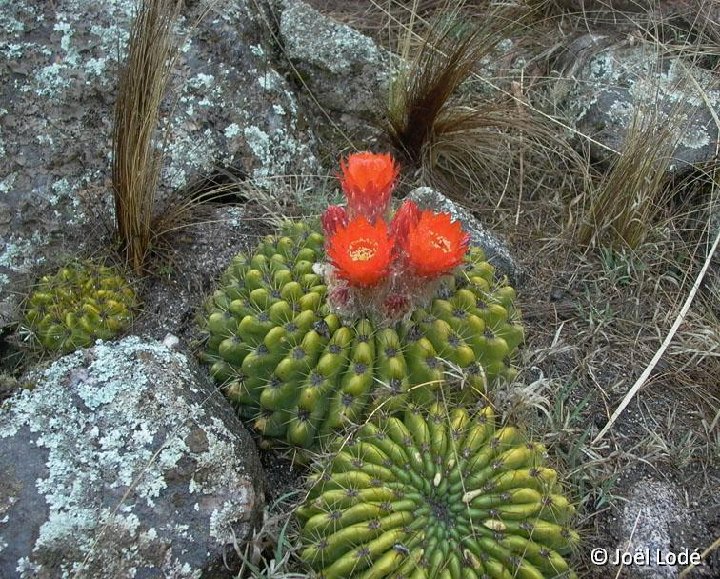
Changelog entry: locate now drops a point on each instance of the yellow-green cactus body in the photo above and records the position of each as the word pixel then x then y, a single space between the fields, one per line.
pixel 437 494
pixel 300 371
pixel 80 303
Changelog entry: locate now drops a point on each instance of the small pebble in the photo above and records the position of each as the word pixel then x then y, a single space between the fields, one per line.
pixel 171 342
pixel 556 295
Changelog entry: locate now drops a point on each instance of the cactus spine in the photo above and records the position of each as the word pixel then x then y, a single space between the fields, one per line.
pixel 437 494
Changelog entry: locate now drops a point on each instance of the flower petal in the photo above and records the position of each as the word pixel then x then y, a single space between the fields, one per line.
pixel 361 252
pixel 434 245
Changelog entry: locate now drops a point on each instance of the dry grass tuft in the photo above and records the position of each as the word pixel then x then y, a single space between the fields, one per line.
pixel 471 148
pixel 420 104
pixel 136 159
pixel 631 195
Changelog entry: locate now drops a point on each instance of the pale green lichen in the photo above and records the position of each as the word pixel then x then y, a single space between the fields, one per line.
pixel 62 56
pixel 275 145
pixel 49 80
pixel 232 131
pixel 7 183
pixel 278 152
pixel 270 80
pixel 19 254
pixel 8 23
pixel 201 81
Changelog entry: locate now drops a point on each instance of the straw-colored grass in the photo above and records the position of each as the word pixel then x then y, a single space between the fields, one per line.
pixel 622 209
pixel 137 161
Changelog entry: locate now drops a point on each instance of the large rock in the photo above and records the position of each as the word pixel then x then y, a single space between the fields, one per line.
pixel 228 107
pixel 605 84
pixel 496 251
pixel 342 68
pixel 123 463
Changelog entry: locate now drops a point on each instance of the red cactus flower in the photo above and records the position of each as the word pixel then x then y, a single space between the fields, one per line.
pixel 406 217
pixel 333 217
pixel 360 252
pixel 435 245
pixel 367 179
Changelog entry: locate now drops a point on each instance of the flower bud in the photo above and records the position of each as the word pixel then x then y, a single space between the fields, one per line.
pixel 333 217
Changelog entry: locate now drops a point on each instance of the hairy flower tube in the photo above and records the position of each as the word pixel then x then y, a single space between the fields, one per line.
pixel 405 219
pixel 367 179
pixel 434 245
pixel 360 252
pixel 332 218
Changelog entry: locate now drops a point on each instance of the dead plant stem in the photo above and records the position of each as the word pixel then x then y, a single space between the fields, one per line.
pixel 666 342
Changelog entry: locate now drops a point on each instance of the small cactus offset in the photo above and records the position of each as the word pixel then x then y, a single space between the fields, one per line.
pixel 78 304
pixel 314 330
pixel 437 494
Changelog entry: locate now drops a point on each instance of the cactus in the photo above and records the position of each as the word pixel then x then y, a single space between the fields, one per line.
pixel 437 494
pixel 78 304
pixel 278 342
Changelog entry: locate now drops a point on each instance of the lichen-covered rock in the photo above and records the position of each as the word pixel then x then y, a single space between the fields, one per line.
pixel 495 250
pixel 121 462
pixel 342 68
pixel 227 107
pixel 605 84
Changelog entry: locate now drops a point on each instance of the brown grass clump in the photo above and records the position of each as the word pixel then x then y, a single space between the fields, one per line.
pixel 620 212
pixel 136 159
pixel 420 98
pixel 472 149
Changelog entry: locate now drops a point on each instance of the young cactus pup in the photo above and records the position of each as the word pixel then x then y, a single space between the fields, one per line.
pixel 437 494
pixel 313 331
pixel 80 303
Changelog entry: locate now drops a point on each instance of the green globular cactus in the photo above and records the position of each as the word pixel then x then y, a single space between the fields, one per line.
pixel 78 304
pixel 293 365
pixel 437 494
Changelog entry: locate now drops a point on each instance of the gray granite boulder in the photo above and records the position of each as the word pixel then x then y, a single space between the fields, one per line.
pixel 227 108
pixel 604 83
pixel 496 251
pixel 342 68
pixel 123 462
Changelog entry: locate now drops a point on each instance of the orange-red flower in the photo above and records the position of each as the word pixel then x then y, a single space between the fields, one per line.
pixel 367 179
pixel 360 251
pixel 435 245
